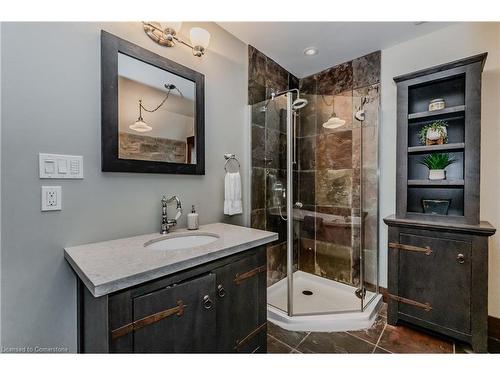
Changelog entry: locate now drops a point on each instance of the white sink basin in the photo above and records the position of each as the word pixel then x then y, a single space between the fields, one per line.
pixel 181 241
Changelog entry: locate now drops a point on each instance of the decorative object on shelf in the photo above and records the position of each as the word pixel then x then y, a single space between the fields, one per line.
pixel 140 125
pixel 434 133
pixel 166 35
pixel 436 104
pixel 436 164
pixel 436 206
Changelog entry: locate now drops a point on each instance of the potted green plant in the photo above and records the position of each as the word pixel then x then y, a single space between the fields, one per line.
pixel 436 164
pixel 434 133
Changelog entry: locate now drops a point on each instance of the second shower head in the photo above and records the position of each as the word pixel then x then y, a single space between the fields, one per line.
pixel 299 103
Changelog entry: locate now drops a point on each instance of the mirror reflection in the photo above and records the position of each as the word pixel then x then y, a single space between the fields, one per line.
pixel 156 113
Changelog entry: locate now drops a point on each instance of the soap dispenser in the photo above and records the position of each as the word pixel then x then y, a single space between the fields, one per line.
pixel 192 219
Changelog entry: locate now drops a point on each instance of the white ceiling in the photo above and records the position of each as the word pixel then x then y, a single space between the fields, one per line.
pixel 337 42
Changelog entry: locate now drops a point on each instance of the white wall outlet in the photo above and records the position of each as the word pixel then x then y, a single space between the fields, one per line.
pixel 51 198
pixel 60 166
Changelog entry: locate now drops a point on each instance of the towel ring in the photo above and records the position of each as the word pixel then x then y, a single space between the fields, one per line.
pixel 229 158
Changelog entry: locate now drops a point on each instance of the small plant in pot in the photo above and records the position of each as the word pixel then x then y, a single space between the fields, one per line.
pixel 436 164
pixel 434 133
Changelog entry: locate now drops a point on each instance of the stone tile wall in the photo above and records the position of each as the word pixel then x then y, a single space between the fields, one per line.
pixel 142 147
pixel 268 153
pixel 328 175
pixel 332 177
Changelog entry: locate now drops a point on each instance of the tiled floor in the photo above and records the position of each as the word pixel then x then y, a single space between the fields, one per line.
pixel 380 338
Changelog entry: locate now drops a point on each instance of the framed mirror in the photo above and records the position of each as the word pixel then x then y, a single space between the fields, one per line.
pixel 152 111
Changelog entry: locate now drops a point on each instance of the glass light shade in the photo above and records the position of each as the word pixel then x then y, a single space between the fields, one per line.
pixel 176 26
pixel 140 126
pixel 199 37
pixel 334 122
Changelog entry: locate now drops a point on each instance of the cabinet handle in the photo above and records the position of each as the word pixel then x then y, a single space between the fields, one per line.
pixel 426 306
pixel 150 319
pixel 221 292
pixel 426 250
pixel 461 258
pixel 207 302
pixel 251 335
pixel 239 278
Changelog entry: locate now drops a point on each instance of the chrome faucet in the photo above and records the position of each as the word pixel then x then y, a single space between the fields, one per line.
pixel 167 223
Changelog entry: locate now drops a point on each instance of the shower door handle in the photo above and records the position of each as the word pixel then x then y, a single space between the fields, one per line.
pixel 294 161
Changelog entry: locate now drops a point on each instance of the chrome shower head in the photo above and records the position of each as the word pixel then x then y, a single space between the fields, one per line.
pixel 299 103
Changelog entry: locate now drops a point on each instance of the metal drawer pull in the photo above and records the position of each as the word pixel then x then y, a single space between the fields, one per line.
pixel 221 292
pixel 461 258
pixel 251 335
pixel 207 302
pixel 239 278
pixel 426 306
pixel 150 319
pixel 426 250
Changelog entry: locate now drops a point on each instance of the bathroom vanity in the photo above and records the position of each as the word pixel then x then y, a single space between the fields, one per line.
pixel 185 292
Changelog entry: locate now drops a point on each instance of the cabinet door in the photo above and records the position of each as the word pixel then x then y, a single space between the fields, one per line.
pixel 442 279
pixel 241 305
pixel 176 319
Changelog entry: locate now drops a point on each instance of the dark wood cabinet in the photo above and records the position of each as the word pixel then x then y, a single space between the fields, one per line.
pixel 438 263
pixel 241 293
pixel 438 278
pixel 218 307
pixel 180 318
pixel 421 274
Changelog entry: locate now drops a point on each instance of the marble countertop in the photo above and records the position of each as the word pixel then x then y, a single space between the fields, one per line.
pixel 110 266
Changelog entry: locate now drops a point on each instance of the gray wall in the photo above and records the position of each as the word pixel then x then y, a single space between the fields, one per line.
pixel 51 103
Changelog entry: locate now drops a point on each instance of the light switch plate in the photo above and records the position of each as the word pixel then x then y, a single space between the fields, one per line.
pixel 51 198
pixel 60 166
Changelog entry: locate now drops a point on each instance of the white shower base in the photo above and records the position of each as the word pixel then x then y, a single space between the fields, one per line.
pixel 333 306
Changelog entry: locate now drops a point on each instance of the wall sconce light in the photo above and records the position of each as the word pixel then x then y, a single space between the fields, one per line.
pixel 166 35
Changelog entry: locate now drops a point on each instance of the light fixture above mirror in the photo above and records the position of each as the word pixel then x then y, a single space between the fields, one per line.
pixel 166 35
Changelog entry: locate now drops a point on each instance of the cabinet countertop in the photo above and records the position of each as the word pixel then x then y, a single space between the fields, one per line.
pixel 110 266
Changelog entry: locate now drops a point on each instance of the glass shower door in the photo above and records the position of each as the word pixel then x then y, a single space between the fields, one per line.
pixel 269 190
pixel 367 107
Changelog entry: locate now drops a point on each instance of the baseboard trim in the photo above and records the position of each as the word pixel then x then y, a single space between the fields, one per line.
pixel 493 322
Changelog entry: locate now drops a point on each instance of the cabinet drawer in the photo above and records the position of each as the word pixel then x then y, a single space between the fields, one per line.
pixel 434 272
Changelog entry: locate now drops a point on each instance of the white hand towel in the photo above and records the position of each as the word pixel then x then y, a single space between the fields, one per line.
pixel 232 194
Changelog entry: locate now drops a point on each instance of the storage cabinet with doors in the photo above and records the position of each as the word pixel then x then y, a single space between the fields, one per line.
pixel 216 307
pixel 438 259
pixel 438 278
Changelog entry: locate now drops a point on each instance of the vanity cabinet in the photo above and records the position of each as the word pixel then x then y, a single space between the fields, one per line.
pixel 218 307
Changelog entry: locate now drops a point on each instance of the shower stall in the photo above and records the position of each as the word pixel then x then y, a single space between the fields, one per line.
pixel 315 181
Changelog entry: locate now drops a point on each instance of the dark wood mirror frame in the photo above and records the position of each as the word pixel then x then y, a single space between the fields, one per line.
pixel 111 45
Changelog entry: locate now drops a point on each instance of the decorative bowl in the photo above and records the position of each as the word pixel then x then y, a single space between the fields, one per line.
pixel 436 206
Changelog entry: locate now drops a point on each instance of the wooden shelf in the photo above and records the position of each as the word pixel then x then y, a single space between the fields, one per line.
pixel 427 149
pixel 430 183
pixel 440 112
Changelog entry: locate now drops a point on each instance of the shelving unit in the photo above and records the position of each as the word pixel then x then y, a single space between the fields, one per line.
pixel 438 113
pixel 438 183
pixel 438 264
pixel 459 85
pixel 436 148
